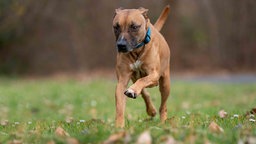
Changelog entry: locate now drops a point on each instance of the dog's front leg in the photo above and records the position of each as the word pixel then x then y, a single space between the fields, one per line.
pixel 123 80
pixel 149 81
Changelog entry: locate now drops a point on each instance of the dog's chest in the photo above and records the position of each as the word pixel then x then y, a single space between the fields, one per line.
pixel 136 67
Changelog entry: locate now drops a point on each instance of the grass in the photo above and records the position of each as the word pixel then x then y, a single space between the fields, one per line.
pixel 86 110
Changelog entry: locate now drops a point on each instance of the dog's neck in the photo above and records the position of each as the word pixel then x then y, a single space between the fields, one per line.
pixel 140 50
pixel 146 39
pixel 138 53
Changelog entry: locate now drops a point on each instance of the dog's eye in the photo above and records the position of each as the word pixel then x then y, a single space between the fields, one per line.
pixel 116 27
pixel 134 27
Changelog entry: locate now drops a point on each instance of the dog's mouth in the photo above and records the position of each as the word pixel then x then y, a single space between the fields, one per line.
pixel 121 48
pixel 125 48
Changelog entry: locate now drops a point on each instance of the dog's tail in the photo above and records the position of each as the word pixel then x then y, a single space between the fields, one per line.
pixel 162 18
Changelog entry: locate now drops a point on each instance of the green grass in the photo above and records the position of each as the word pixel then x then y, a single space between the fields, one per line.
pixel 35 108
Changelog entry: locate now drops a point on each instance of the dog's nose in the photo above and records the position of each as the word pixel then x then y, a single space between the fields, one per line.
pixel 122 46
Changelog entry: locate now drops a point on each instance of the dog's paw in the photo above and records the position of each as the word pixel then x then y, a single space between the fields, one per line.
pixel 130 93
pixel 151 111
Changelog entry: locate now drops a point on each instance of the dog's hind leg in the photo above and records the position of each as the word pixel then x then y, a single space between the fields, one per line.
pixel 164 86
pixel 151 110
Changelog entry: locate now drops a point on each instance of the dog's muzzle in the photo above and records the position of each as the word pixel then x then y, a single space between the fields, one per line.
pixel 122 45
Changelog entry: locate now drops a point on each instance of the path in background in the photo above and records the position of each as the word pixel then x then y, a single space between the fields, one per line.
pixel 237 78
pixel 186 77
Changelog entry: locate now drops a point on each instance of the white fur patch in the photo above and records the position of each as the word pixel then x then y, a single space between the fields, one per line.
pixel 130 91
pixel 136 66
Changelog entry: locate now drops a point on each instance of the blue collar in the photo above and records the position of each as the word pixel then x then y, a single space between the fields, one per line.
pixel 146 40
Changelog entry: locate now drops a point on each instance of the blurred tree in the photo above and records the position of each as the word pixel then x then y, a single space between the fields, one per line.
pixel 47 36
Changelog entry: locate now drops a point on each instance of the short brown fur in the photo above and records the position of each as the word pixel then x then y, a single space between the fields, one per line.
pixel 154 59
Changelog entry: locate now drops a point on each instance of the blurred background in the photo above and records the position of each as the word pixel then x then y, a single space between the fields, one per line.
pixel 44 37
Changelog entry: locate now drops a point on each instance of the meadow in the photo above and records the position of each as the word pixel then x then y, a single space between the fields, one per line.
pixel 31 110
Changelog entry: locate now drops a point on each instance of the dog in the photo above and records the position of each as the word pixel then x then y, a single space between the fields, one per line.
pixel 144 57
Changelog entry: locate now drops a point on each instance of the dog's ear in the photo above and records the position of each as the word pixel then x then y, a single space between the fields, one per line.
pixel 144 12
pixel 119 9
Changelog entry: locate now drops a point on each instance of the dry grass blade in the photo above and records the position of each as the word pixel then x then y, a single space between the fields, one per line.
pixel 4 122
pixel 15 142
pixel 222 114
pixel 170 140
pixel 144 138
pixel 72 141
pixel 214 127
pixel 115 137
pixel 61 132
pixel 50 142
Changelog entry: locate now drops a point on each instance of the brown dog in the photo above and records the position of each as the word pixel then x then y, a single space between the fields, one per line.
pixel 143 56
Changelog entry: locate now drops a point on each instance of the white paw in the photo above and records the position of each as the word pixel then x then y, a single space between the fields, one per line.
pixel 130 93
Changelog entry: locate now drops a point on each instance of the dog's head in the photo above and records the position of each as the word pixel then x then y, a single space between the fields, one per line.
pixel 130 27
